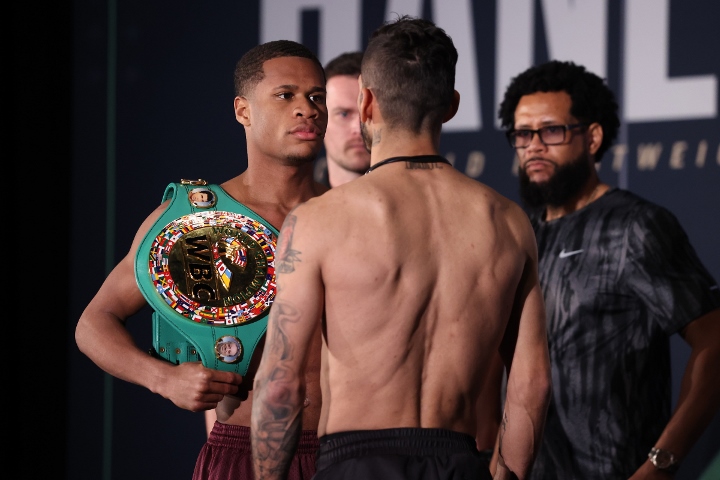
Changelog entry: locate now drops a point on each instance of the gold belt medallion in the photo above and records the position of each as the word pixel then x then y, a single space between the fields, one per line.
pixel 215 267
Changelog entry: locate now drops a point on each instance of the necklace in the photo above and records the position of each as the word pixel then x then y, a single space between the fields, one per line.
pixel 417 159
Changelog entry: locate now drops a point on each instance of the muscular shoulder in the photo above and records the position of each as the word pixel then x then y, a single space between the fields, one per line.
pixel 334 201
pixel 518 222
pixel 503 209
pixel 147 224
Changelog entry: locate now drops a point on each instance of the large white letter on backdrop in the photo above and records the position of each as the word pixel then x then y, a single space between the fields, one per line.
pixel 514 40
pixel 649 95
pixel 456 18
pixel 577 31
pixel 340 23
pixel 574 31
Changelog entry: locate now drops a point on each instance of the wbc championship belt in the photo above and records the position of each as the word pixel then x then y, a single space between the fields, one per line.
pixel 207 269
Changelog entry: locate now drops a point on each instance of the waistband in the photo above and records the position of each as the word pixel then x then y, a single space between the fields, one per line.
pixel 238 437
pixel 339 446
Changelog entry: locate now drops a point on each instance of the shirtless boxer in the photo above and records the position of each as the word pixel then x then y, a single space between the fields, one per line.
pixel 280 100
pixel 423 274
pixel 345 155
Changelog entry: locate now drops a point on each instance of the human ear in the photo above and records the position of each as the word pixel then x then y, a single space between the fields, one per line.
pixel 594 137
pixel 365 100
pixel 453 106
pixel 242 111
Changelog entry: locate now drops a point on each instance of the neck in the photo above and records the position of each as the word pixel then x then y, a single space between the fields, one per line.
pixel 393 143
pixel 287 185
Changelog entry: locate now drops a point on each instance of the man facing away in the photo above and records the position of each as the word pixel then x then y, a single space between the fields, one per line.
pixel 346 155
pixel 619 277
pixel 280 101
pixel 422 275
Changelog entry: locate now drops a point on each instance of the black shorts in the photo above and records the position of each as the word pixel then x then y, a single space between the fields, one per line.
pixel 400 453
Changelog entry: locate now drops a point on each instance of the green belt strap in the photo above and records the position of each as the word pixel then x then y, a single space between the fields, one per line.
pixel 207 268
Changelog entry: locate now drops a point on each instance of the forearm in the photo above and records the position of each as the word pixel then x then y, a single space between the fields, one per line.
pixel 106 341
pixel 502 472
pixel 489 406
pixel 518 442
pixel 522 425
pixel 110 346
pixel 275 431
pixel 698 403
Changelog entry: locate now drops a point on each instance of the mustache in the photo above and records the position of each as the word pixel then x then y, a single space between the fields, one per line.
pixel 524 166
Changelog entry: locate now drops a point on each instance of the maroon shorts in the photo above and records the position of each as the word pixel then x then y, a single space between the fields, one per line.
pixel 227 455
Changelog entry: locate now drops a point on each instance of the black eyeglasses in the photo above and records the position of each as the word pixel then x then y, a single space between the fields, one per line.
pixel 550 135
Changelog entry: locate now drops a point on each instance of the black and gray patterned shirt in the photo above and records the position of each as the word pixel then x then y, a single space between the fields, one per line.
pixel 618 277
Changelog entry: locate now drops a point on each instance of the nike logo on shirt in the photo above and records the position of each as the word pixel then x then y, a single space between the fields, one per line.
pixel 564 254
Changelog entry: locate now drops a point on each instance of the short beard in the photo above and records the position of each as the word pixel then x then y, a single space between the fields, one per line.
pixel 367 141
pixel 297 160
pixel 567 182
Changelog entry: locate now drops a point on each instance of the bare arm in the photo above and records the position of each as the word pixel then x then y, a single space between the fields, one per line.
pixel 489 406
pixel 279 386
pixel 699 398
pixel 101 335
pixel 529 381
pixel 489 410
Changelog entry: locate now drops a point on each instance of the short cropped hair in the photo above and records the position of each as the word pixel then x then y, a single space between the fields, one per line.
pixel 409 64
pixel 347 63
pixel 249 69
pixel 592 100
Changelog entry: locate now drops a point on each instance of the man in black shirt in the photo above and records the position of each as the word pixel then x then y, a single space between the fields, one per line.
pixel 619 277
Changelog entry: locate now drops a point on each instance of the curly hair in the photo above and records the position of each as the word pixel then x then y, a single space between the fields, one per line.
pixel 592 100
pixel 249 69
pixel 410 66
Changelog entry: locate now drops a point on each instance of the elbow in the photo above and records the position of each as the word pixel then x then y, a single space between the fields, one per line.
pixel 543 394
pixel 284 397
pixel 541 382
pixel 535 388
pixel 532 394
pixel 79 335
pixel 84 335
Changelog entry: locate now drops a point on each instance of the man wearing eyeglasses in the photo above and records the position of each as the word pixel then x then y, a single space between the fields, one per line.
pixel 619 277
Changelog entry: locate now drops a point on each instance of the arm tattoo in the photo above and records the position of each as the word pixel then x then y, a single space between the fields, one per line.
pixel 286 256
pixel 503 427
pixel 277 432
